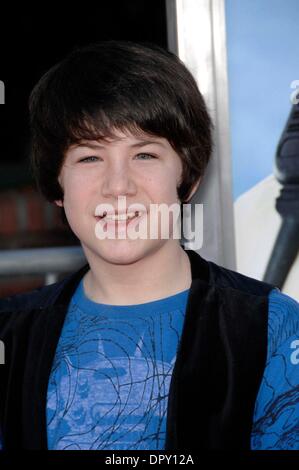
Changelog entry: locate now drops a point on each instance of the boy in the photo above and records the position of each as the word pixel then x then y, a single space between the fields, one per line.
pixel 149 346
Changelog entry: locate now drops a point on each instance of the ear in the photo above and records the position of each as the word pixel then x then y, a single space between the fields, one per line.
pixel 193 190
pixel 59 203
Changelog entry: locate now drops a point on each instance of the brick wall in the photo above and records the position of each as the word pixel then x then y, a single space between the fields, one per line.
pixel 28 221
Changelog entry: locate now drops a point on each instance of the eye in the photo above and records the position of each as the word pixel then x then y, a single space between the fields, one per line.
pixel 146 155
pixel 92 158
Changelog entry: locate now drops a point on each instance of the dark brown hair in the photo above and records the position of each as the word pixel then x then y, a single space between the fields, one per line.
pixel 117 85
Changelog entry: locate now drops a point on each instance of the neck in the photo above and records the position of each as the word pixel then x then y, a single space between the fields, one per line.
pixel 160 274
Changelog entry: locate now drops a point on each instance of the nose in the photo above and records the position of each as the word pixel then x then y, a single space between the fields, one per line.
pixel 118 181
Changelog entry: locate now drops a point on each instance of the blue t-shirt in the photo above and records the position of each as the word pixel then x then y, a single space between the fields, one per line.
pixel 276 417
pixel 110 379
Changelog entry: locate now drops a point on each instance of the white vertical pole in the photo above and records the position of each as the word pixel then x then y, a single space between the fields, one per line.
pixel 2 92
pixel 196 33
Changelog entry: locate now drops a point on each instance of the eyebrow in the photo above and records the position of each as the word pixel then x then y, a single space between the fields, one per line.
pixel 140 143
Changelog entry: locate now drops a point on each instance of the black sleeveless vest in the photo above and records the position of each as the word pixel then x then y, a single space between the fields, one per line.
pixel 216 377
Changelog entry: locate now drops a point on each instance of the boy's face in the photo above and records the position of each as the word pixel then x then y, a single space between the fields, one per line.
pixel 146 170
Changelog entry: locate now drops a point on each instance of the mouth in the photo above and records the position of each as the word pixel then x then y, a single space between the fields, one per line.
pixel 120 223
pixel 115 218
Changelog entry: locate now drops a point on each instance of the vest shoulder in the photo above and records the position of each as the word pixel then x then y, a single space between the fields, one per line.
pixel 44 296
pixel 35 299
pixel 224 277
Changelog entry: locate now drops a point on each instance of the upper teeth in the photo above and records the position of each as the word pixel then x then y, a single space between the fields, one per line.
pixel 129 215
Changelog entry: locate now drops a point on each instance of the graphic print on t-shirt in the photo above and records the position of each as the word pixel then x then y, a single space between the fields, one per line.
pixel 111 374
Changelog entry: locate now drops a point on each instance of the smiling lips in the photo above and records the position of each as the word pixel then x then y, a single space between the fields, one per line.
pixel 120 221
pixel 119 217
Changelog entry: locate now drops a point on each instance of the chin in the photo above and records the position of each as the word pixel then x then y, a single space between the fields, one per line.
pixel 124 252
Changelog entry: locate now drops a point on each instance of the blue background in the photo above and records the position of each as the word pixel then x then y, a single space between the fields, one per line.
pixel 263 60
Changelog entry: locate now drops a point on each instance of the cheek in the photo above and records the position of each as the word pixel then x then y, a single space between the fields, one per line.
pixel 163 186
pixel 76 200
pixel 166 190
pixel 75 188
